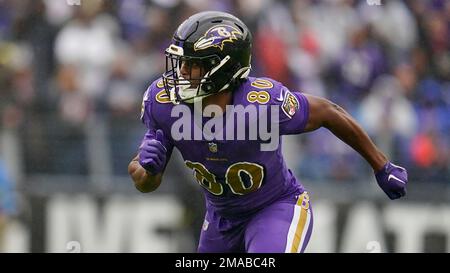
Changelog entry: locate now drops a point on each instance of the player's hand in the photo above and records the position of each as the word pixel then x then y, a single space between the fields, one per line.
pixel 152 154
pixel 392 179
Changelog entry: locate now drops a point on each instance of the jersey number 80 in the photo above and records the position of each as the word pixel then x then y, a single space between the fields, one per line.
pixel 232 177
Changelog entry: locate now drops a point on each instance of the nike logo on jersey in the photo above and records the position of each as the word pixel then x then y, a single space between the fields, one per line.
pixel 281 97
pixel 396 178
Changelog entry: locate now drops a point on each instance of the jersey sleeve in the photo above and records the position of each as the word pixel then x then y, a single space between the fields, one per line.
pixel 148 113
pixel 146 110
pixel 294 112
pixel 293 109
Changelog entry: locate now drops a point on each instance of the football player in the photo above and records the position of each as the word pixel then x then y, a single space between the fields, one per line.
pixel 253 201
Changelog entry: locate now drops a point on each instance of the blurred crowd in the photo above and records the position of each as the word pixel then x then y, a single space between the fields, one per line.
pixel 65 69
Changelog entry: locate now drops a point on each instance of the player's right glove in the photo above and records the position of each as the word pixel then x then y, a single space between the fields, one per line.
pixel 392 179
pixel 152 154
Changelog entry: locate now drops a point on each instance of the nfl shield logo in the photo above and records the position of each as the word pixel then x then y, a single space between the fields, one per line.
pixel 212 147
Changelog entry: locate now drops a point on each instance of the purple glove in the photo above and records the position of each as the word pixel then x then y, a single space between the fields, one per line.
pixel 392 179
pixel 152 154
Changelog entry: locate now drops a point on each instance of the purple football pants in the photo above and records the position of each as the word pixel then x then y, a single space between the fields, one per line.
pixel 283 227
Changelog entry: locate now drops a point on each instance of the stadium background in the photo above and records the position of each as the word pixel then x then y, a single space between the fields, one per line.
pixel 71 82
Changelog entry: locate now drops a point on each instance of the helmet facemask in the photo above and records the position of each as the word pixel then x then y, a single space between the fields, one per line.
pixel 186 88
pixel 214 75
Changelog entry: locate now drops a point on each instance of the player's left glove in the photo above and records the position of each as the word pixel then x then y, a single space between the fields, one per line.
pixel 392 179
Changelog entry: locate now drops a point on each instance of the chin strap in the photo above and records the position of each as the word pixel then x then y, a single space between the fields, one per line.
pixel 243 72
pixel 217 67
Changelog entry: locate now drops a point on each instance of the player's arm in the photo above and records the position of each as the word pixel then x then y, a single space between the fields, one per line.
pixel 143 180
pixel 324 113
pixel 147 168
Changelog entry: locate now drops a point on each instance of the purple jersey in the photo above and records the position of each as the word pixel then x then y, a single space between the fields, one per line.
pixel 238 178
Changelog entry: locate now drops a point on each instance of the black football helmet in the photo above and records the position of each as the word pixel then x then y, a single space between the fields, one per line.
pixel 219 43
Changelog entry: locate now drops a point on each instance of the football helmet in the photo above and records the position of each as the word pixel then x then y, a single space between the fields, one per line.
pixel 217 42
